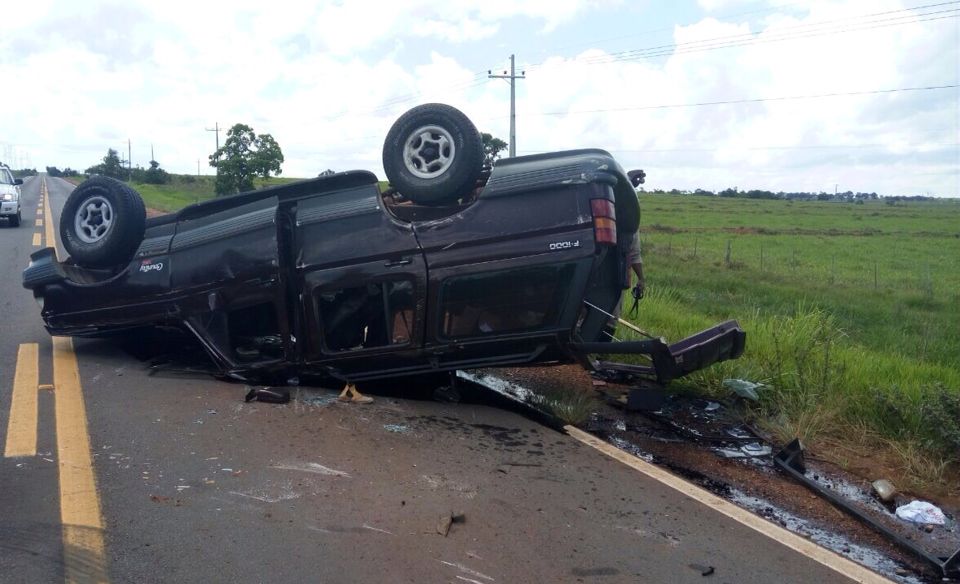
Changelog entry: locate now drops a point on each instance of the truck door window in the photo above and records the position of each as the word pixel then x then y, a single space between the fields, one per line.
pixel 374 315
pixel 504 301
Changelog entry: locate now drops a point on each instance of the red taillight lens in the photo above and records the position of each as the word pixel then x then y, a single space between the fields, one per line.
pixel 604 221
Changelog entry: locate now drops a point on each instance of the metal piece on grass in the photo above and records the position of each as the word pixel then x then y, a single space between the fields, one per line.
pixel 791 461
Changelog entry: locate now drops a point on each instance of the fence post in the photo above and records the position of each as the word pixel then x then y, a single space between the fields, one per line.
pixel 729 243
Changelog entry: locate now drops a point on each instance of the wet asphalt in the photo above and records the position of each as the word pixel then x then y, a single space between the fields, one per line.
pixel 198 486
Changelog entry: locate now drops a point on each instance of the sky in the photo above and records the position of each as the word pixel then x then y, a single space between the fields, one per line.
pixel 792 95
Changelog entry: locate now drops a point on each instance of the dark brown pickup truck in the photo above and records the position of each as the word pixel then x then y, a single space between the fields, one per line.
pixel 334 276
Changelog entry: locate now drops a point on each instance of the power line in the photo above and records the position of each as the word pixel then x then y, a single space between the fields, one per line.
pixel 599 60
pixel 670 28
pixel 752 100
pixel 906 16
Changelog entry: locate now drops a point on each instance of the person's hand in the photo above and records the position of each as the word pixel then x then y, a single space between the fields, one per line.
pixel 639 289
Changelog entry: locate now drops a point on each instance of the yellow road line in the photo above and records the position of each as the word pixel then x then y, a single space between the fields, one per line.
pixel 83 548
pixel 839 564
pixel 39 222
pixel 22 425
pixel 48 231
pixel 37 239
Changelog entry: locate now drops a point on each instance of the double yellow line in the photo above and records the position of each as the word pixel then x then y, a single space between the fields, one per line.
pixel 80 512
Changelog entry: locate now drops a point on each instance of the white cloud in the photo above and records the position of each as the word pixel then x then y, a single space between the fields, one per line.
pixel 328 79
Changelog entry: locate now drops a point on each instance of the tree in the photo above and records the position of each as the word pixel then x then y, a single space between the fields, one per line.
pixel 492 147
pixel 110 166
pixel 155 175
pixel 243 156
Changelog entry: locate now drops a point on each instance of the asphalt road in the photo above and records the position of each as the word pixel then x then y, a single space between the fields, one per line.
pixel 194 485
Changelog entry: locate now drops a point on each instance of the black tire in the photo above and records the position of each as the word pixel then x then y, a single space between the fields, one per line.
pixel 102 223
pixel 15 220
pixel 439 169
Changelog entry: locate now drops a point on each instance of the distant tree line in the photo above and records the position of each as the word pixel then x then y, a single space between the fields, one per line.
pixel 21 172
pixel 54 171
pixel 734 192
pixel 113 167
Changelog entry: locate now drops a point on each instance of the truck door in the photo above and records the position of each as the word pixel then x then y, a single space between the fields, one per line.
pixel 224 264
pixel 506 276
pixel 362 278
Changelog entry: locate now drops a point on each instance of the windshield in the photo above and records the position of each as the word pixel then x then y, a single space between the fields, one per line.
pixel 5 177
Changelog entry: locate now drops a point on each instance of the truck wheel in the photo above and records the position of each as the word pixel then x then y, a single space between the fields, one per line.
pixel 433 154
pixel 102 223
pixel 15 220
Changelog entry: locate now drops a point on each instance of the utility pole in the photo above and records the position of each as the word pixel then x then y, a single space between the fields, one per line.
pixel 513 100
pixel 152 159
pixel 129 162
pixel 215 128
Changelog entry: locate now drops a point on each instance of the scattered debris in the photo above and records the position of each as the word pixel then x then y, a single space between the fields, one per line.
pixel 396 428
pixel 791 461
pixel 704 570
pixel 283 492
pixel 324 399
pixel 443 524
pixel 921 512
pixel 884 490
pixel 311 467
pixel 45 387
pixel 372 528
pixel 447 394
pixel 749 450
pixel 743 388
pixel 446 520
pixel 467 570
pixel 268 395
pixel 646 399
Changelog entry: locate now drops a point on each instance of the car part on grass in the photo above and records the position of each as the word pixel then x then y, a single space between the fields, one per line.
pixel 791 461
pixel 718 343
pixel 885 491
pixel 433 154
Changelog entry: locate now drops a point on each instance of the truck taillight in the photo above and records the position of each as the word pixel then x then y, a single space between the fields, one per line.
pixel 604 221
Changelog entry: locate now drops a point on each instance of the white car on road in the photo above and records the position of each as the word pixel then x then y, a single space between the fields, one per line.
pixel 9 197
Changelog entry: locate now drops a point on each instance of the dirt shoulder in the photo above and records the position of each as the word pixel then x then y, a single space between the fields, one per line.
pixel 672 441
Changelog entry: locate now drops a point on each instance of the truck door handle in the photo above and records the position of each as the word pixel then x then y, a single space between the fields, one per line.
pixel 400 262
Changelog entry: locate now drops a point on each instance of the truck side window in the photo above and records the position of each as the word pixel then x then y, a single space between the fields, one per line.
pixel 504 301
pixel 373 315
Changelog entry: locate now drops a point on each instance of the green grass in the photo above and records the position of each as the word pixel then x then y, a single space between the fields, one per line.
pixel 852 312
pixel 185 190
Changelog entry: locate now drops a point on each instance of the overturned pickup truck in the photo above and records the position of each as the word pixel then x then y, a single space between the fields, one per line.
pixel 454 267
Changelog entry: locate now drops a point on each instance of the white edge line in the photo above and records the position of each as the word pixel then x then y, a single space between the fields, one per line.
pixel 823 556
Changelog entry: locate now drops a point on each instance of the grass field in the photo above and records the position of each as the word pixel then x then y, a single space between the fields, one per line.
pixel 184 190
pixel 852 313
